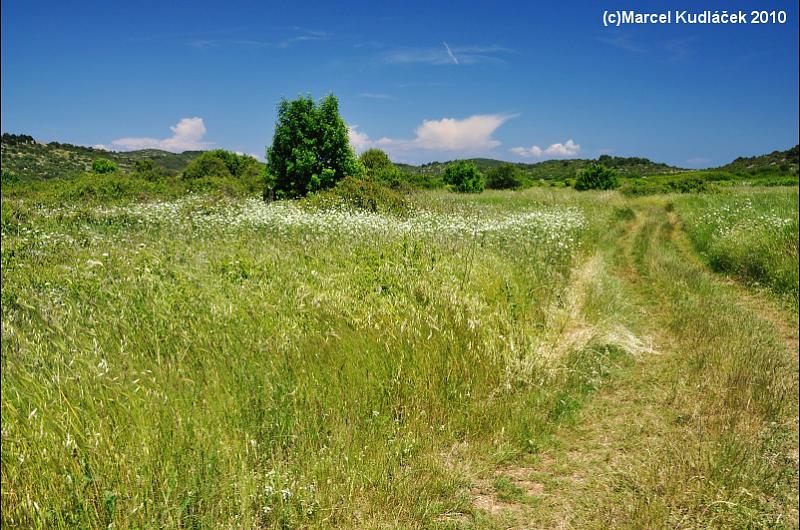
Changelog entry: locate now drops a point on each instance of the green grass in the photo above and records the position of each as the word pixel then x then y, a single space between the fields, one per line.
pixel 207 361
pixel 750 234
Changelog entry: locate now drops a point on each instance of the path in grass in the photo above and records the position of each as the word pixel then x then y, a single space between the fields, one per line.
pixel 686 436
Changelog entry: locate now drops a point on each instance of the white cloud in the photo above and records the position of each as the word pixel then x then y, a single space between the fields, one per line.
pixel 568 148
pixel 358 140
pixel 102 147
pixel 468 135
pixel 187 135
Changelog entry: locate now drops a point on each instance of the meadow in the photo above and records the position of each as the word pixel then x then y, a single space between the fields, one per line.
pixel 512 359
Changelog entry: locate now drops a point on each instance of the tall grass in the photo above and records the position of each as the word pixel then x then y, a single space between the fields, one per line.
pixel 197 363
pixel 751 234
pixel 207 361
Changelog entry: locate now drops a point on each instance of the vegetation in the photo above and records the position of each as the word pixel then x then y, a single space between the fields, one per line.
pixel 103 165
pixel 464 177
pixel 428 360
pixel 310 148
pixel 503 177
pixel 751 235
pixel 179 353
pixel 32 161
pixel 597 177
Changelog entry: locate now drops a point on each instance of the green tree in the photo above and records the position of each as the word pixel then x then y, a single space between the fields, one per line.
pixel 464 177
pixel 310 148
pixel 597 177
pixel 375 160
pixel 505 176
pixel 103 165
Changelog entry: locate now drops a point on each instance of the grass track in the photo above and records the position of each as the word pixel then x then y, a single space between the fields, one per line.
pixel 661 446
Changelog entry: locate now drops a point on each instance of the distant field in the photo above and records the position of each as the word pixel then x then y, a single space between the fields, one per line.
pixel 543 357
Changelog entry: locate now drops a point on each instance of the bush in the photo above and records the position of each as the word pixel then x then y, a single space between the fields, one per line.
pixel 374 161
pixel 505 176
pixel 149 170
pixel 9 177
pixel 597 177
pixel 310 149
pixel 690 185
pixel 640 188
pixel 363 194
pixel 103 165
pixel 464 177
pixel 224 171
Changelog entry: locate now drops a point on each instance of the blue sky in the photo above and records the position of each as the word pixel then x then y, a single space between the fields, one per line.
pixel 520 81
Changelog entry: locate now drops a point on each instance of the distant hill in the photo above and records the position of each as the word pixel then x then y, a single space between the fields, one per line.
pixel 32 160
pixel 785 162
pixel 560 169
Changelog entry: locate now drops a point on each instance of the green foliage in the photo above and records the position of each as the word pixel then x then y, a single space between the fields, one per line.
pixel 770 165
pixel 103 165
pixel 597 177
pixel 364 194
pixel 506 176
pixel 33 161
pixel 149 170
pixel 224 171
pixel 464 177
pixel 9 177
pixel 375 160
pixel 310 148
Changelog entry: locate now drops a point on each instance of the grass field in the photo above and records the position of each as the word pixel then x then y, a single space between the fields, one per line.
pixel 542 358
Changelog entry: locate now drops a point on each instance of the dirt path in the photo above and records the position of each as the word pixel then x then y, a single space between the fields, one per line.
pixel 625 422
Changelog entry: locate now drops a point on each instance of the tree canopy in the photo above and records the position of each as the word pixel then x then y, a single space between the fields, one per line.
pixel 310 148
pixel 464 177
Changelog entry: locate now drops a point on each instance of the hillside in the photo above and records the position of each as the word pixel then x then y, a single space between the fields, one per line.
pixel 785 162
pixel 32 160
pixel 560 169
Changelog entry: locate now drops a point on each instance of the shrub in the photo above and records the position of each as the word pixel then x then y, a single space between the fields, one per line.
pixel 220 165
pixel 375 160
pixel 103 165
pixel 9 177
pixel 149 170
pixel 639 188
pixel 464 177
pixel 691 185
pixel 597 177
pixel 310 148
pixel 363 194
pixel 505 176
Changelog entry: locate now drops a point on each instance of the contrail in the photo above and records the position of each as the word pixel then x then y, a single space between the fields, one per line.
pixel 450 53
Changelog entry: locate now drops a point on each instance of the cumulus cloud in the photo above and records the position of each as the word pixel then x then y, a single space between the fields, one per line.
pixel 568 148
pixel 358 140
pixel 187 135
pixel 468 135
